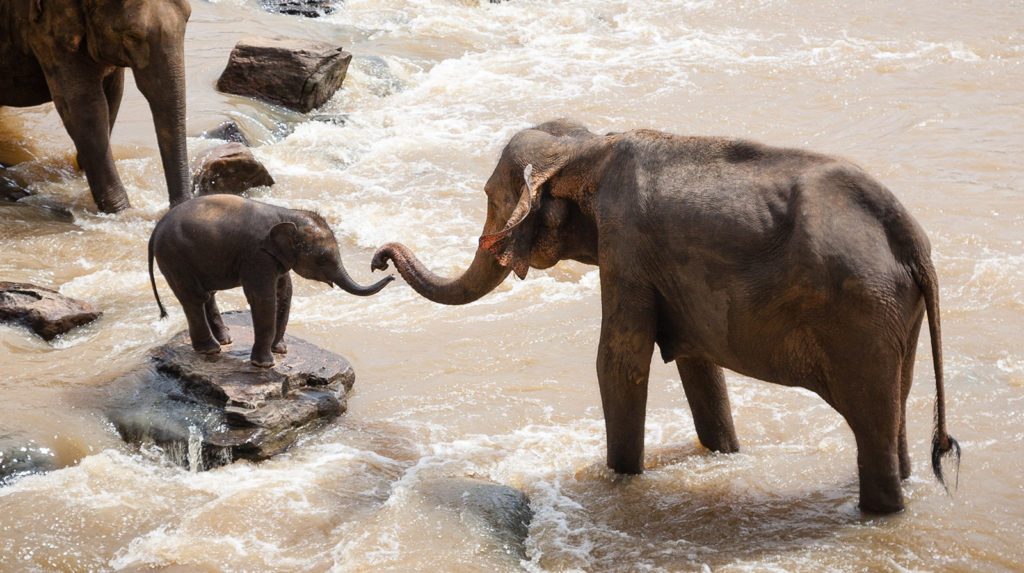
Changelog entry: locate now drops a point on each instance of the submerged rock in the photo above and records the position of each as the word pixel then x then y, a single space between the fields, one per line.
pixel 208 410
pixel 20 461
pixel 227 131
pixel 46 312
pixel 501 512
pixel 228 168
pixel 307 8
pixel 11 191
pixel 298 74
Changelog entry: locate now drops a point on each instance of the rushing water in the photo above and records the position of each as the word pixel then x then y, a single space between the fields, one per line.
pixel 927 96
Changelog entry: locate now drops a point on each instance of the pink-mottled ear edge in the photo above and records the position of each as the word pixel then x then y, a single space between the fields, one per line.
pixel 509 249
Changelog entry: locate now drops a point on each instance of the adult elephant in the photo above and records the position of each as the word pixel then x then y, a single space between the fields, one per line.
pixel 73 53
pixel 780 264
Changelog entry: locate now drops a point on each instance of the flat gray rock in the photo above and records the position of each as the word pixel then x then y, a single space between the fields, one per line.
pixel 46 312
pixel 207 410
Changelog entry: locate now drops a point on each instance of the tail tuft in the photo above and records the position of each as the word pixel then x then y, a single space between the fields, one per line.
pixel 943 446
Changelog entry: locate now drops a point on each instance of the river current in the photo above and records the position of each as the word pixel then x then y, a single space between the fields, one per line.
pixel 928 97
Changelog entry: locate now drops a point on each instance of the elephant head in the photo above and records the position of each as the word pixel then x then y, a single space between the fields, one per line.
pixel 539 212
pixel 148 36
pixel 307 246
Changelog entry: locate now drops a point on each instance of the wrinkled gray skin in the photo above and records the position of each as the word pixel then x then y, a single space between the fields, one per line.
pixel 73 53
pixel 783 265
pixel 218 242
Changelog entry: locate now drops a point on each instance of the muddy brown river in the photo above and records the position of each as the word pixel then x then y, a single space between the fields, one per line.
pixel 928 97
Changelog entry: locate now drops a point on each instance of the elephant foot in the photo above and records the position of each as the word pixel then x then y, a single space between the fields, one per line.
pixel 223 337
pixel 207 349
pixel 279 348
pixel 259 364
pixel 116 203
pixel 262 359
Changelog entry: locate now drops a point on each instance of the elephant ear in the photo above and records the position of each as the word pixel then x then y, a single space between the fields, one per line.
pixel 61 20
pixel 280 243
pixel 511 245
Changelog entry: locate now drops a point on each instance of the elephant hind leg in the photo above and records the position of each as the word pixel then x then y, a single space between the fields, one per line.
pixel 704 384
pixel 906 380
pixel 869 397
pixel 193 302
pixel 220 330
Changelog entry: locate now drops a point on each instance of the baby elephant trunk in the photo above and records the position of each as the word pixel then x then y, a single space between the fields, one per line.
pixel 342 279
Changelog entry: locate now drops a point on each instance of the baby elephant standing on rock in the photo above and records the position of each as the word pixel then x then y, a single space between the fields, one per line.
pixel 218 242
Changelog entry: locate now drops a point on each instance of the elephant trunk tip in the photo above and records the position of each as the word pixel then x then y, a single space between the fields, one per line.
pixel 381 257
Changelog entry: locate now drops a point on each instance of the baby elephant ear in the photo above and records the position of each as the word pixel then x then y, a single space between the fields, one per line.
pixel 280 243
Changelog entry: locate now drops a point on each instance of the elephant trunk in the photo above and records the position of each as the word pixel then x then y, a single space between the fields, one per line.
pixel 162 82
pixel 343 280
pixel 483 275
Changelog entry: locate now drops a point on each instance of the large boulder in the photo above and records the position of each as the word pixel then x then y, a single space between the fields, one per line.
pixel 46 312
pixel 298 74
pixel 228 168
pixel 207 410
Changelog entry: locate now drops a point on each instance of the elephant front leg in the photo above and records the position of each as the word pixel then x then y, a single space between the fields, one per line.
pixel 262 298
pixel 623 367
pixel 284 305
pixel 78 94
pixel 704 384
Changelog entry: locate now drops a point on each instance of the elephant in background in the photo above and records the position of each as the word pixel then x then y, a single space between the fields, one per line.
pixel 218 242
pixel 780 264
pixel 73 53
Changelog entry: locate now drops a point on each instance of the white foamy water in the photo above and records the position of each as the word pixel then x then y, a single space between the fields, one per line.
pixel 926 97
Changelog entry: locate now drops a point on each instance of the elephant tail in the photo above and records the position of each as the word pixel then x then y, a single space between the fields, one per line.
pixel 152 281
pixel 942 443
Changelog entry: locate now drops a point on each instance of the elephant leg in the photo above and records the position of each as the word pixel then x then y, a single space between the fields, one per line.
pixel 867 393
pixel 78 94
pixel 261 293
pixel 284 305
pixel 193 299
pixel 906 380
pixel 704 384
pixel 623 366
pixel 113 88
pixel 878 465
pixel 220 330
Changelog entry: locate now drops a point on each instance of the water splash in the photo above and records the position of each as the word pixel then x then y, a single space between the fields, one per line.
pixel 195 449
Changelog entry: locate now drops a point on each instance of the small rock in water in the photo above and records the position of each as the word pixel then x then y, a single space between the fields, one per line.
pixel 307 8
pixel 46 312
pixel 20 461
pixel 11 191
pixel 219 408
pixel 298 74
pixel 501 511
pixel 228 168
pixel 227 131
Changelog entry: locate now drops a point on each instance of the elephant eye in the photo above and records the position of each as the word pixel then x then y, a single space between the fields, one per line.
pixel 323 260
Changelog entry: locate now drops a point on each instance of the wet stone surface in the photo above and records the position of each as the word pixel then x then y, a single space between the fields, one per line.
pixel 298 74
pixel 46 312
pixel 208 410
pixel 228 168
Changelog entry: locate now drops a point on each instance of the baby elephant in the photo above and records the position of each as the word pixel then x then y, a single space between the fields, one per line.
pixel 218 242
